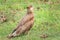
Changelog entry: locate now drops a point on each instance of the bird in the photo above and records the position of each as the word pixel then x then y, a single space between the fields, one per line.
pixel 25 24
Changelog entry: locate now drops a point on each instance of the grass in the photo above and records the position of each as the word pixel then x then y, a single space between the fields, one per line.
pixel 47 19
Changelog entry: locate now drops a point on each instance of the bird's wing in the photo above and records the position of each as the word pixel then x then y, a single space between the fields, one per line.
pixel 25 27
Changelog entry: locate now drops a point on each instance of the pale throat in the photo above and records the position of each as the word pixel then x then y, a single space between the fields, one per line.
pixel 29 11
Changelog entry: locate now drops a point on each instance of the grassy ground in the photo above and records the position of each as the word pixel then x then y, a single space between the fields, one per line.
pixel 47 19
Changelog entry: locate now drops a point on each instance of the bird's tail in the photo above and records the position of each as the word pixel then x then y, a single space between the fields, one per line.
pixel 13 34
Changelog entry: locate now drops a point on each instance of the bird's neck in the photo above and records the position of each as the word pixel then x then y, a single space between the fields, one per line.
pixel 29 12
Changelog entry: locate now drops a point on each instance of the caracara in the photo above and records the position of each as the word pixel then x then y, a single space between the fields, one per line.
pixel 25 24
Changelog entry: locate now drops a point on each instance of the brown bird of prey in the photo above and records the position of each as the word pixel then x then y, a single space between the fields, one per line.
pixel 25 24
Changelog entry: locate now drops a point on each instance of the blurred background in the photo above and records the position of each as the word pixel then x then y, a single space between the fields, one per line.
pixel 46 13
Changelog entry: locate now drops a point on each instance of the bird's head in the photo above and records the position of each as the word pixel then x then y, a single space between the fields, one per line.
pixel 30 9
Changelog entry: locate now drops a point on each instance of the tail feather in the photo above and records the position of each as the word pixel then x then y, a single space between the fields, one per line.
pixel 12 35
pixel 14 30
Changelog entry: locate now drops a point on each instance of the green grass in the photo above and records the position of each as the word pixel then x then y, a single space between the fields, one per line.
pixel 47 19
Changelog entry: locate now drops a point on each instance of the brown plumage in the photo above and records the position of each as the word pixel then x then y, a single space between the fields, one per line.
pixel 25 24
